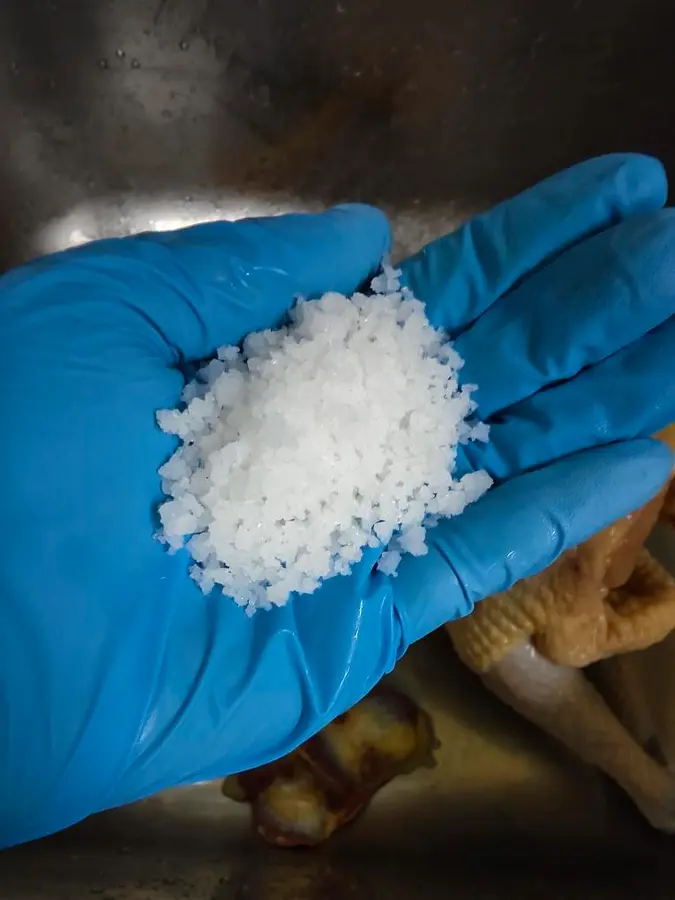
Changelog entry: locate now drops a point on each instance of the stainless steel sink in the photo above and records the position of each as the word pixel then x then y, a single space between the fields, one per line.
pixel 122 115
pixel 505 813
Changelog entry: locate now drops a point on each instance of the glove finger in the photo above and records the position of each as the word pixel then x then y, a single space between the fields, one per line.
pixel 522 526
pixel 243 276
pixel 588 303
pixel 630 394
pixel 459 276
pixel 209 285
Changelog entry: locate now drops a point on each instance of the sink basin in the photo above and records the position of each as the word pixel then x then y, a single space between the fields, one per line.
pixel 127 115
pixel 505 813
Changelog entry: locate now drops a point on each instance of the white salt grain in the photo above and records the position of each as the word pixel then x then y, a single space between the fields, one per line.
pixel 335 433
pixel 480 432
pixel 413 540
pixel 389 562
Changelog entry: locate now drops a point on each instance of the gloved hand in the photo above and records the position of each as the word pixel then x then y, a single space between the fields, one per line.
pixel 117 677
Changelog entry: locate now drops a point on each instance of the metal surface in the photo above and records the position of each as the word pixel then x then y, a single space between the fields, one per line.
pixel 120 115
pixel 505 813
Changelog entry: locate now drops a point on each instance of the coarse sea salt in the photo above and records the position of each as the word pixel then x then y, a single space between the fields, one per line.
pixel 315 441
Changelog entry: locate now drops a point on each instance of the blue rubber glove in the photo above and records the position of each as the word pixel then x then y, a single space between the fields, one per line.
pixel 117 677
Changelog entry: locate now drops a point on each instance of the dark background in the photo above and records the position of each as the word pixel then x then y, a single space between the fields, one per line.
pixel 400 103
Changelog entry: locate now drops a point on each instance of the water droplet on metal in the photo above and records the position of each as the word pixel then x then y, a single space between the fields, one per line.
pixel 13 67
pixel 135 64
pixel 103 64
pixel 184 45
pixel 188 198
pixel 119 53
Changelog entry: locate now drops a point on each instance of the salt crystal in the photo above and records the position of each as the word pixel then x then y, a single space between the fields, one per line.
pixel 474 485
pixel 389 562
pixel 334 433
pixel 412 540
pixel 480 432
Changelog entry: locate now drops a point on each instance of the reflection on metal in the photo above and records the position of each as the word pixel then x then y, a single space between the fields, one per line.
pixel 123 215
pixel 126 115
pixel 118 217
